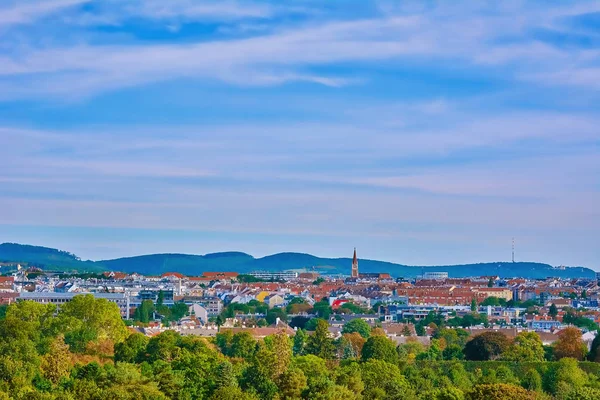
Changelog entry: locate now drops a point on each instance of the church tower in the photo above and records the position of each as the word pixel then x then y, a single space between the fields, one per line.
pixel 355 265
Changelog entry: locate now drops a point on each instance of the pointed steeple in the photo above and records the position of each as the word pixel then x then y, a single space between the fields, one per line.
pixel 354 265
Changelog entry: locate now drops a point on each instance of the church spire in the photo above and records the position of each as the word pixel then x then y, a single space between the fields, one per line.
pixel 354 265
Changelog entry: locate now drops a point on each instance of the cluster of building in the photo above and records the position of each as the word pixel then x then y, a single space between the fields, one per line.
pixel 395 303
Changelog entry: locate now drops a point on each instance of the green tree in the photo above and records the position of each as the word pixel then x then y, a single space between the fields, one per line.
pixel 319 343
pixel 583 393
pixel 299 342
pixel 527 346
pixel 223 341
pixel 144 312
pixel 160 298
pixel 132 349
pixel 499 391
pixel 384 380
pixel 532 380
pixel 565 377
pixel 281 345
pixel 379 348
pixel 275 313
pixel 322 309
pixel 56 364
pixel 86 318
pixel 453 352
pixel 473 305
pixel 594 354
pixel 225 376
pixel 357 325
pixel 311 325
pixel 228 393
pixel 493 301
pixel 179 310
pixel 258 376
pixel 163 346
pixel 450 393
pixel 553 311
pixel 243 345
pixel 291 384
pixel 433 352
pixel 486 346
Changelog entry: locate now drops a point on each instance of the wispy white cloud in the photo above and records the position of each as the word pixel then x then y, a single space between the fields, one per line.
pixel 27 12
pixel 288 54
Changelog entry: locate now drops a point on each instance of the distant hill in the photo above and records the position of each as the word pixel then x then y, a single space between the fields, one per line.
pixel 43 257
pixel 188 264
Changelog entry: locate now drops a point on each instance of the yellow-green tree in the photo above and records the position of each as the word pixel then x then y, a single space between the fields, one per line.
pixel 527 346
pixel 57 362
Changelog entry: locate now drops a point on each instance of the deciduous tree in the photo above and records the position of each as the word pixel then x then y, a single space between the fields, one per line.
pixel 357 325
pixel 570 344
pixel 486 346
pixel 527 346
pixel 380 348
pixel 319 343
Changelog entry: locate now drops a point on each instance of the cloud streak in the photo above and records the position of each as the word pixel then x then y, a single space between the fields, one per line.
pixel 289 54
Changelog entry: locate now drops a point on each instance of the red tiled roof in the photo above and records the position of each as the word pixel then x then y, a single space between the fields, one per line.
pixel 175 274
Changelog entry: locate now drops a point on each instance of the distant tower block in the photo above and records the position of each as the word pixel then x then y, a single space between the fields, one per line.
pixel 513 250
pixel 355 265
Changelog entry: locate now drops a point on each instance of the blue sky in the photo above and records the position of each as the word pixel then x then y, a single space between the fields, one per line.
pixel 420 132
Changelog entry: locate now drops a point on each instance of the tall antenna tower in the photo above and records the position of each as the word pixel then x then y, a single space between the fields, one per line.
pixel 513 249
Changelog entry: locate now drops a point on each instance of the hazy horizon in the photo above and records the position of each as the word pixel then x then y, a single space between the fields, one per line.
pixel 419 133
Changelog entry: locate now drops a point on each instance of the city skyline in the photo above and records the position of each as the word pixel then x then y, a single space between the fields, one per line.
pixel 422 134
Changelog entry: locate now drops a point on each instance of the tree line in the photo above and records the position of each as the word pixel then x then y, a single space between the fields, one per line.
pixel 83 350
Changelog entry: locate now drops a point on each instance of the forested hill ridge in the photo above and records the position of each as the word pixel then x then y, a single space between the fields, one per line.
pixel 189 264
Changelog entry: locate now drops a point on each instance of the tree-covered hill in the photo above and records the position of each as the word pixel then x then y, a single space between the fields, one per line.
pixel 43 257
pixel 189 264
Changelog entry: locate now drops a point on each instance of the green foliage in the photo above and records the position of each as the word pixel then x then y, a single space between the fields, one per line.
pixel 322 309
pixel 243 345
pixel 243 278
pixel 275 313
pixel 319 343
pixel 292 383
pixel 565 376
pixel 532 380
pixel 594 354
pixel 527 346
pixel 493 301
pixel 132 349
pixel 358 325
pixel 384 380
pixel 318 281
pixel 571 317
pixel 351 308
pixel 380 348
pixel 486 346
pixel 39 344
pixel 299 342
pixel 471 319
pixel 144 312
pixel 499 391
